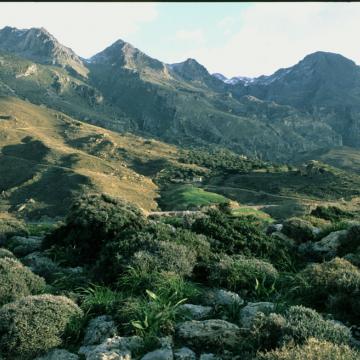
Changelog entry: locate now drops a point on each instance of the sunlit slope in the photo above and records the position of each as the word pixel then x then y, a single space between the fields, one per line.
pixel 47 158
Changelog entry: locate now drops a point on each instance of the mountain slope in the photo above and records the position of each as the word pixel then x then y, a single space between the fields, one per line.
pixel 47 158
pixel 40 46
pixel 311 106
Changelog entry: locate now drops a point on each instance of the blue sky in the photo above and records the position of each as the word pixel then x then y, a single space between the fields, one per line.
pixel 179 23
pixel 248 39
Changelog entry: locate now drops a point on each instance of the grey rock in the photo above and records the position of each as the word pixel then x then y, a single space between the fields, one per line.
pixel 160 354
pixel 166 342
pixel 208 334
pixel 328 245
pixel 58 354
pixel 184 353
pixel 115 348
pixel 196 312
pixel 209 357
pixel 220 297
pixel 249 312
pixel 99 329
pixel 273 228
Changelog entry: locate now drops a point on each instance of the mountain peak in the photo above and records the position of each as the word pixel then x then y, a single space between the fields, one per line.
pixel 190 69
pixel 39 45
pixel 124 54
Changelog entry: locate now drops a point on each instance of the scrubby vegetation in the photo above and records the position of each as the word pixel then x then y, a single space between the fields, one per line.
pixel 251 279
pixel 17 281
pixel 34 324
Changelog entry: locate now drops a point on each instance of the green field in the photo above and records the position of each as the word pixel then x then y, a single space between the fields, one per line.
pixel 183 197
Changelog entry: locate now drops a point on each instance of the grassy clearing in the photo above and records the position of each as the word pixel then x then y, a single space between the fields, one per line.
pixel 183 197
pixel 249 210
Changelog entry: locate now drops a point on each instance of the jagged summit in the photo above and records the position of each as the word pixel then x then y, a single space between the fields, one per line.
pixel 39 45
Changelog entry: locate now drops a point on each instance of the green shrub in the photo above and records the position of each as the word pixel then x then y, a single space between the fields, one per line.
pixel 158 247
pixel 331 213
pixel 151 316
pixel 332 285
pixel 17 281
pixel 34 324
pixel 164 284
pixel 93 220
pixel 5 253
pixel 313 349
pixel 243 235
pixel 167 257
pixel 240 273
pixel 11 227
pixel 303 323
pixel 298 229
pixel 294 326
pixel 99 300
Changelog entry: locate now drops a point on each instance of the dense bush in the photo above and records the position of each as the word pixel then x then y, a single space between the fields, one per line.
pixel 331 213
pixel 5 253
pixel 333 285
pixel 303 323
pixel 243 235
pixel 240 273
pixel 167 257
pixel 295 325
pixel 165 284
pixel 298 229
pixel 11 227
pixel 34 324
pixel 92 221
pixel 313 349
pixel 17 281
pixel 157 247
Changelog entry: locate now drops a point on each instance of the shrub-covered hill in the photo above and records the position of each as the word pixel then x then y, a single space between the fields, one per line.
pixel 214 285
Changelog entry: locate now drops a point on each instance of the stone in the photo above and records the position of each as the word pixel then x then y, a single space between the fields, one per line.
pixel 99 329
pixel 208 334
pixel 196 312
pixel 115 348
pixel 184 353
pixel 327 246
pixel 220 297
pixel 209 357
pixel 249 312
pixel 160 354
pixel 166 342
pixel 273 228
pixel 58 354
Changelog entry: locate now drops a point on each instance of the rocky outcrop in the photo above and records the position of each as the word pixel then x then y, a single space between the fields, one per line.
pixel 208 334
pixel 326 248
pixel 115 348
pixel 249 312
pixel 99 329
pixel 195 312
pixel 160 354
pixel 220 297
pixel 58 354
pixel 184 353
